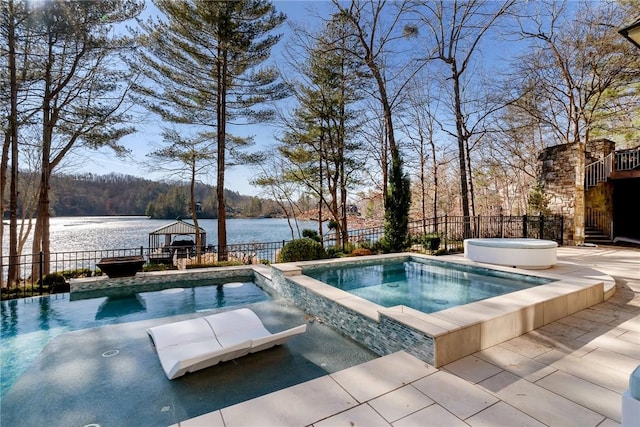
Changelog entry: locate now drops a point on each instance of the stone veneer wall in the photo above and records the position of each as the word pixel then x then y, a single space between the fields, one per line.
pixel 383 337
pixel 154 281
pixel 558 174
pixel 599 149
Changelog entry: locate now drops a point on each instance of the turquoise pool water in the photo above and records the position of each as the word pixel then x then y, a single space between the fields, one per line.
pixel 428 287
pixel 28 324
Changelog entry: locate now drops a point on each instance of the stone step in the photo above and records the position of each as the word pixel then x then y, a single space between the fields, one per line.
pixel 595 236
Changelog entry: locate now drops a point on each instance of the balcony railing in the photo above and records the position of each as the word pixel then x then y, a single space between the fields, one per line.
pixel 618 161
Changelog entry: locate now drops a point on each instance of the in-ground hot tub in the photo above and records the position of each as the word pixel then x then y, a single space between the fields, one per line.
pixel 439 337
pixel 531 254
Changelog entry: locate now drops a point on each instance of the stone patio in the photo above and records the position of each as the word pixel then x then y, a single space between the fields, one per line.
pixel 571 372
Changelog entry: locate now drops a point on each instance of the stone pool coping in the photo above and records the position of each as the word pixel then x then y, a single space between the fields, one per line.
pixel 448 335
pixel 91 287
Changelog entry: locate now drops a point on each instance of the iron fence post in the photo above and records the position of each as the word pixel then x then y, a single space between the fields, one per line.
pixel 446 237
pixel 541 226
pixel 524 226
pixel 41 264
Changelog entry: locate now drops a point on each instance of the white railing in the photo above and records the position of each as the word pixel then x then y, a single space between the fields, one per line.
pixel 599 220
pixel 598 171
pixel 627 160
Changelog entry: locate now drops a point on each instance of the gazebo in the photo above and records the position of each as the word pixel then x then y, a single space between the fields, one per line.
pixel 166 240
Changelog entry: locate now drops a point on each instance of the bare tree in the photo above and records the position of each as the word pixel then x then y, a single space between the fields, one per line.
pixel 272 178
pixel 377 25
pixel 66 73
pixel 574 66
pixel 421 125
pixel 454 33
pixel 10 145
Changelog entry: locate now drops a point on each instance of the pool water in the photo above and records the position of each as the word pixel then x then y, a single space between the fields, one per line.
pixel 28 324
pixel 427 287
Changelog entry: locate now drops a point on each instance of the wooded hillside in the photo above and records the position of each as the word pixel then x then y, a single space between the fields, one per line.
pixel 117 194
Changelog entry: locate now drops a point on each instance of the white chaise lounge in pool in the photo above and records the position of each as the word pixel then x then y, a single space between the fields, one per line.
pixel 520 253
pixel 191 345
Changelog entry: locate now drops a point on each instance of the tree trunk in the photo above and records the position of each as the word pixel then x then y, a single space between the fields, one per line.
pixel 472 197
pixel 221 136
pixel 435 180
pixel 41 233
pixel 321 191
pixel 194 210
pixel 11 140
pixel 464 190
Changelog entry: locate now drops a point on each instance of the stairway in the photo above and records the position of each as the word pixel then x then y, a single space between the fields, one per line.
pixel 595 236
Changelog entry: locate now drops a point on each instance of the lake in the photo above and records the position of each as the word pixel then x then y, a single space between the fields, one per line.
pixel 70 234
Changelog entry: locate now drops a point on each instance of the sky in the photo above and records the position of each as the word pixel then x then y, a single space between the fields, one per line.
pixel 237 178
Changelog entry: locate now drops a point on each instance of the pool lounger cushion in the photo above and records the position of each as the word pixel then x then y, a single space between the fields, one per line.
pixel 191 345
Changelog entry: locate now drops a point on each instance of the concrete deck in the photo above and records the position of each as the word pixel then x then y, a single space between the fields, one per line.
pixel 571 372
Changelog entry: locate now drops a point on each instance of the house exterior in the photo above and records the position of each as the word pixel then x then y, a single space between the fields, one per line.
pixel 598 201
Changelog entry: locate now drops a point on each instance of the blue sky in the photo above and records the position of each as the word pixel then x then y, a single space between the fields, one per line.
pixel 103 162
pixel 238 177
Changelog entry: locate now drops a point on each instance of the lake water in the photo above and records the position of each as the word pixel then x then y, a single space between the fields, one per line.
pixel 70 234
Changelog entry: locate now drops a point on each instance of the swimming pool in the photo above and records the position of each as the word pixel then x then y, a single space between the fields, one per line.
pixel 442 336
pixel 28 324
pixel 424 286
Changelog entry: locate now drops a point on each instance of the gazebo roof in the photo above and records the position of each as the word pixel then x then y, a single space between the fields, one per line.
pixel 177 227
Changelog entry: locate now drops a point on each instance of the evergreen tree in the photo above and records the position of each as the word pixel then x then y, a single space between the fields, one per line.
pixel 319 144
pixel 397 203
pixel 205 67
pixel 193 156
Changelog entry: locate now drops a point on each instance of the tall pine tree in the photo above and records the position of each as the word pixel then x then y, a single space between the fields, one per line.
pixel 319 144
pixel 204 66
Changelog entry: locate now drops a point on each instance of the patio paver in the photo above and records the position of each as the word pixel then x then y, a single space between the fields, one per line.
pixel 570 373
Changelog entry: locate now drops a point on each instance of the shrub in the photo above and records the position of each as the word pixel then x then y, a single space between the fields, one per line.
pixel 79 272
pixel 304 249
pixel 56 283
pixel 365 244
pixel 311 234
pixel 361 252
pixel 159 267
pixel 230 263
pixel 348 247
pixel 334 252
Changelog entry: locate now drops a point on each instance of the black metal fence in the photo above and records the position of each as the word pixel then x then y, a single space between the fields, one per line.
pixel 450 231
